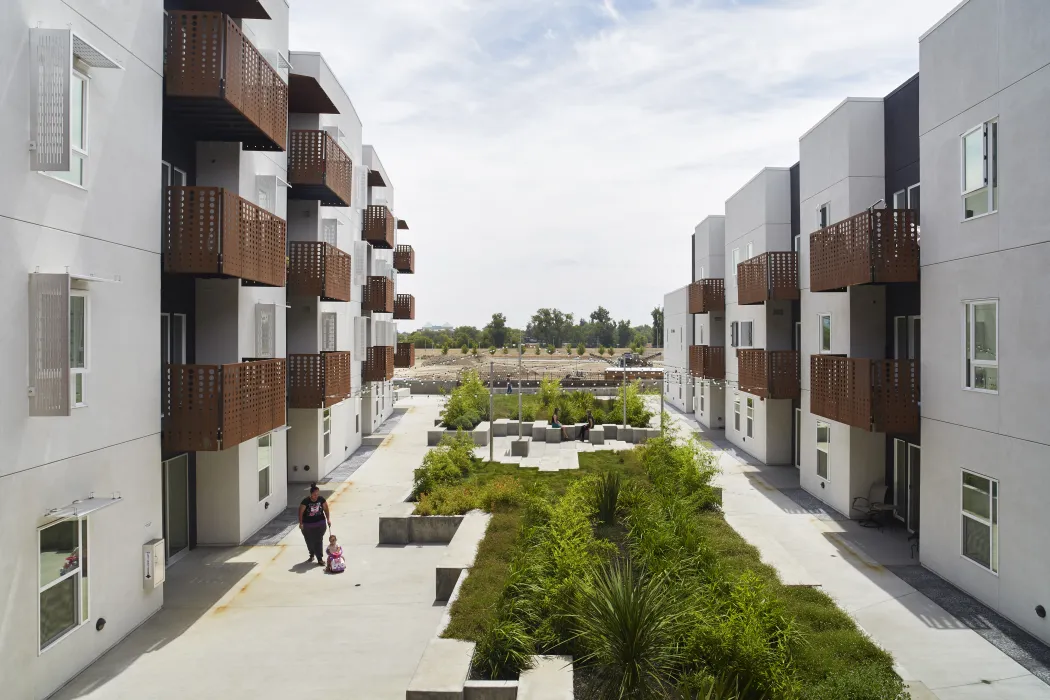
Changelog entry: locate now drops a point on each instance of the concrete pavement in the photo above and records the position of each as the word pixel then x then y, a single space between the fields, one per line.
pixel 937 654
pixel 260 622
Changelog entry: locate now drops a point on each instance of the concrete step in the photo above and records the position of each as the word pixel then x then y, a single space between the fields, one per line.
pixel 442 671
pixel 550 678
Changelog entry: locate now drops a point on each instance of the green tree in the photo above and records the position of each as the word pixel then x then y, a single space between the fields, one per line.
pixel 497 329
pixel 537 349
pixel 580 349
pixel 444 349
pixel 658 327
pixel 601 350
pixel 492 349
pixel 550 349
pixel 463 348
pixel 504 350
pixel 623 334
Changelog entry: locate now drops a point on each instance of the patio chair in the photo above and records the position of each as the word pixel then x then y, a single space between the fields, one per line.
pixel 874 506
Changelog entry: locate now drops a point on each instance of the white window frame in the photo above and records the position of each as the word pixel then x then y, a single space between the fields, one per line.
pixel 326 431
pixel 902 203
pixel 990 165
pixel 76 153
pixel 736 412
pixel 749 417
pixel 969 373
pixel 750 250
pixel 76 374
pixel 268 467
pixel 824 215
pixel 703 403
pixel 83 616
pixel 702 272
pixel 911 194
pixel 736 261
pixel 740 334
pixel 820 333
pixel 992 521
pixel 826 451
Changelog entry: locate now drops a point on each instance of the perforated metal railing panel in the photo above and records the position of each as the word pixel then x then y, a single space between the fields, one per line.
pixel 405 259
pixel 783 275
pixel 880 246
pixel 192 409
pixel 193 231
pixel 707 295
pixel 895 246
pixel 379 295
pixel 840 389
pixel 306 271
pixel 405 355
pixel 895 396
pixel 404 307
pixel 305 381
pixel 379 364
pixel 337 377
pixel 752 280
pixel 751 372
pixel 379 226
pixel 253 399
pixel 336 274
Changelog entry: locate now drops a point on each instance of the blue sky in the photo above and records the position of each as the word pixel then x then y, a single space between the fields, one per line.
pixel 560 152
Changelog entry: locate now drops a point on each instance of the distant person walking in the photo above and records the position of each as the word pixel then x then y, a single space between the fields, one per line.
pixel 510 389
pixel 314 519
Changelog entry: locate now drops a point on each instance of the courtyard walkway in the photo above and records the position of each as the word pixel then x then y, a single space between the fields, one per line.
pixel 939 655
pixel 259 622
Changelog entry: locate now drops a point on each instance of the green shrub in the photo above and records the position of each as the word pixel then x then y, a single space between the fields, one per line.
pixel 528 412
pixel 504 649
pixel 444 349
pixel 505 351
pixel 638 415
pixel 550 349
pixel 448 463
pixel 537 349
pixel 607 496
pixel 463 349
pixel 467 404
pixel 601 350
pixel 455 498
pixel 580 349
pixel 550 390
pixel 610 352
pixel 492 349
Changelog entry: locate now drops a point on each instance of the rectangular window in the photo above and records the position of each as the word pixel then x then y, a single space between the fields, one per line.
pixel 63 578
pixel 900 199
pixel 327 431
pixel 750 251
pixel 328 337
pixel 265 462
pixel 980 520
pixel 913 197
pixel 736 260
pixel 824 329
pixel 736 412
pixel 746 334
pixel 78 130
pixel 701 273
pixel 980 177
pixel 78 345
pixel 981 341
pixel 823 449
pixel 750 416
pixel 265 330
pixel 734 334
pixel 825 215
pixel 702 402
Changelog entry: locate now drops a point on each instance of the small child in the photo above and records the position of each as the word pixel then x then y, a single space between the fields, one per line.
pixel 336 564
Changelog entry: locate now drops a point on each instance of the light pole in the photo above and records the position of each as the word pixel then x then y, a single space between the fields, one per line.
pixel 492 369
pixel 519 390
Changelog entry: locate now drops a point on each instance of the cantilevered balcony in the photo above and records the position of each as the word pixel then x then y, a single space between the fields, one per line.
pixel 219 87
pixel 707 295
pixel 210 231
pixel 318 381
pixel 405 355
pixel 405 259
pixel 214 407
pixel 707 361
pixel 876 395
pixel 379 225
pixel 768 277
pixel 318 169
pixel 404 307
pixel 318 269
pixel 379 296
pixel 875 247
pixel 379 364
pixel 769 374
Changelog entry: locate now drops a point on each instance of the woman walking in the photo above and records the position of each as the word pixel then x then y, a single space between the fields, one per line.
pixel 313 517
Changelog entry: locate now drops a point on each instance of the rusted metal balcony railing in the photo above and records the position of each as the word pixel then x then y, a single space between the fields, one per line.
pixel 405 355
pixel 379 226
pixel 405 259
pixel 876 395
pixel 379 296
pixel 404 307
pixel 318 381
pixel 769 374
pixel 707 361
pixel 379 364
pixel 318 169
pixel 318 270
pixel 768 277
pixel 875 247
pixel 214 407
pixel 219 86
pixel 707 295
pixel 211 231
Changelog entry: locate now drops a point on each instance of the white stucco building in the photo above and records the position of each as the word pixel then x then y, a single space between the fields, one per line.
pixel 678 338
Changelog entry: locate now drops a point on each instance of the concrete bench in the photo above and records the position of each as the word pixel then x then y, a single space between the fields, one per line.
pixel 442 671
pixel 641 435
pixel 499 428
pixel 434 436
pixel 520 448
pixel 512 428
pixel 481 434
pixel 539 431
pixel 460 554
pixel 610 431
pixel 553 435
pixel 597 435
pixel 550 678
pixel 490 690
pixel 400 394
pixel 526 428
pixel 625 434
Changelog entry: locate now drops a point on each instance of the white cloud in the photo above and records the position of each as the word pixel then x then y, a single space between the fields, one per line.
pixel 559 153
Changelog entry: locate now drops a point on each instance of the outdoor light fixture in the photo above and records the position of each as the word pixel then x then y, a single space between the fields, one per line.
pixel 99 624
pixel 1040 611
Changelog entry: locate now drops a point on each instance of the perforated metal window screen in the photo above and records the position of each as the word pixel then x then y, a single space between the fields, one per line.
pixel 328 334
pixel 330 231
pixel 360 337
pixel 385 334
pixel 359 264
pixel 90 55
pixel 51 66
pixel 49 346
pixel 265 330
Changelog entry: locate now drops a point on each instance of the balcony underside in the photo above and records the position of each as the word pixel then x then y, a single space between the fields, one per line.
pixel 317 193
pixel 215 119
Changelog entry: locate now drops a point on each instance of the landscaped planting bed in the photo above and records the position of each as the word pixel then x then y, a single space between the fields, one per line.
pixel 628 566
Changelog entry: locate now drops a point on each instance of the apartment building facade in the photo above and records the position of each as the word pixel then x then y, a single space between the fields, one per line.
pixel 678 339
pixel 706 363
pixel 985 256
pixel 270 252
pixel 882 320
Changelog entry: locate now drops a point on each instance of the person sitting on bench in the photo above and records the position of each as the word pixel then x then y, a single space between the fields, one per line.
pixel 556 424
pixel 588 424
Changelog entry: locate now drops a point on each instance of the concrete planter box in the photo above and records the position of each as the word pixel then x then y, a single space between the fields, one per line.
pixel 499 428
pixel 553 435
pixel 625 434
pixel 481 434
pixel 610 431
pixel 418 529
pixel 520 448
pixel 641 435
pixel 490 690
pixel 434 436
pixel 597 435
pixel 539 431
pixel 512 428
pixel 526 428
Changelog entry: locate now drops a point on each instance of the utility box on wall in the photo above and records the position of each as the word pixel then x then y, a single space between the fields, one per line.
pixel 153 564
